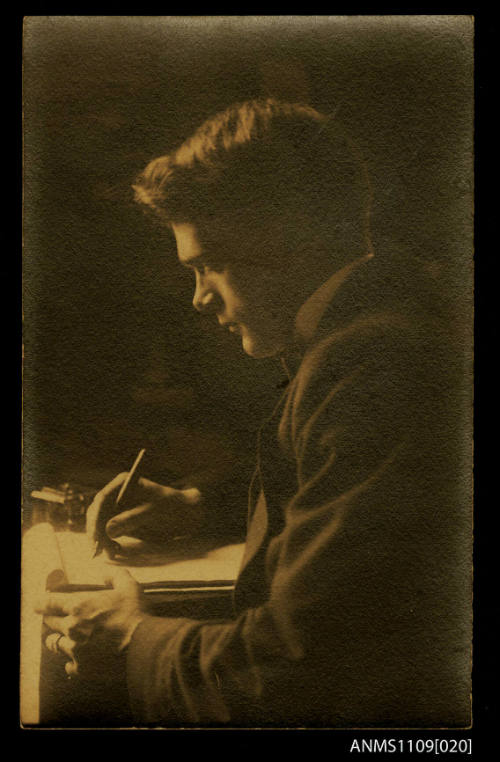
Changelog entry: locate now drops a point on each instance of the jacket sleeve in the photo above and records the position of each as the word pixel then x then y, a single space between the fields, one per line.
pixel 340 573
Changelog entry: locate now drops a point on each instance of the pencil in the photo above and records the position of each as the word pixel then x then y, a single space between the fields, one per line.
pixel 130 481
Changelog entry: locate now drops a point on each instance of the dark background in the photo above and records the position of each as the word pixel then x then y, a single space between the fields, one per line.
pixel 115 356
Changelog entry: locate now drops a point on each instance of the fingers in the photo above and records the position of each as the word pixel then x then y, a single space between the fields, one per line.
pixel 58 643
pixel 114 485
pixel 58 624
pixel 126 522
pixel 56 604
pixel 153 489
pixel 122 580
pixel 62 604
pixel 71 668
pixel 166 511
pixel 191 495
pixel 97 624
pixel 102 506
pixel 79 630
pixel 72 614
pixel 104 522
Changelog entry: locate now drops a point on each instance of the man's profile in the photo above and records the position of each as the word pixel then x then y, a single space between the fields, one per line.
pixel 349 608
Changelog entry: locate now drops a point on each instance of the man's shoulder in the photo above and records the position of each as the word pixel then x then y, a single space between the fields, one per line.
pixel 373 371
pixel 370 342
pixel 382 349
pixel 384 309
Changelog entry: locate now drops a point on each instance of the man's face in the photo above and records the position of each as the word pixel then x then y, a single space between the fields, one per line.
pixel 241 278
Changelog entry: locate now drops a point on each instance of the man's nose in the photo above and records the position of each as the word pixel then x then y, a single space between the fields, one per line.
pixel 204 298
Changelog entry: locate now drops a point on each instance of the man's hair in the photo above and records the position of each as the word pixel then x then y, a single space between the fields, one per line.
pixel 264 157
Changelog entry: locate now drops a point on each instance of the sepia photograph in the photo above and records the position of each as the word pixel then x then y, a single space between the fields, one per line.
pixel 247 458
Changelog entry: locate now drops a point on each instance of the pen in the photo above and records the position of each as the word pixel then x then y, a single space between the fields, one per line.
pixel 130 481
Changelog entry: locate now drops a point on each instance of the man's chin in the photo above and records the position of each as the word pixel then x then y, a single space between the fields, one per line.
pixel 258 350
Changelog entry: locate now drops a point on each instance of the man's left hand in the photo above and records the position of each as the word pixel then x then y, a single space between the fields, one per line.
pixel 98 624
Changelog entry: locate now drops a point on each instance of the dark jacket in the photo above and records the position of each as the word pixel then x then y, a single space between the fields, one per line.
pixel 352 607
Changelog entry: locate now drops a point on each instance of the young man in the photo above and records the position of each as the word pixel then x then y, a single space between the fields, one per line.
pixel 352 603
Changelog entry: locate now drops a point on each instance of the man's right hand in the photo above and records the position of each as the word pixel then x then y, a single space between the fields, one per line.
pixel 157 513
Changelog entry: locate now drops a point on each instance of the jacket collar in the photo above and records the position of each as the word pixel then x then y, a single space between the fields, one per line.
pixel 311 312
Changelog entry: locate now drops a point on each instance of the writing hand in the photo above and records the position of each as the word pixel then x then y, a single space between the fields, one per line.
pixel 158 512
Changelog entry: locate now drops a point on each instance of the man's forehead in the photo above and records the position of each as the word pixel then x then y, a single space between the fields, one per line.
pixel 228 238
pixel 197 238
pixel 189 245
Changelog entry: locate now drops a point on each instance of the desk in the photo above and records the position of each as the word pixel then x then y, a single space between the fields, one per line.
pixel 195 582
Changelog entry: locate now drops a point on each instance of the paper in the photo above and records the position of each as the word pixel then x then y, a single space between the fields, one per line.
pixel 65 557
